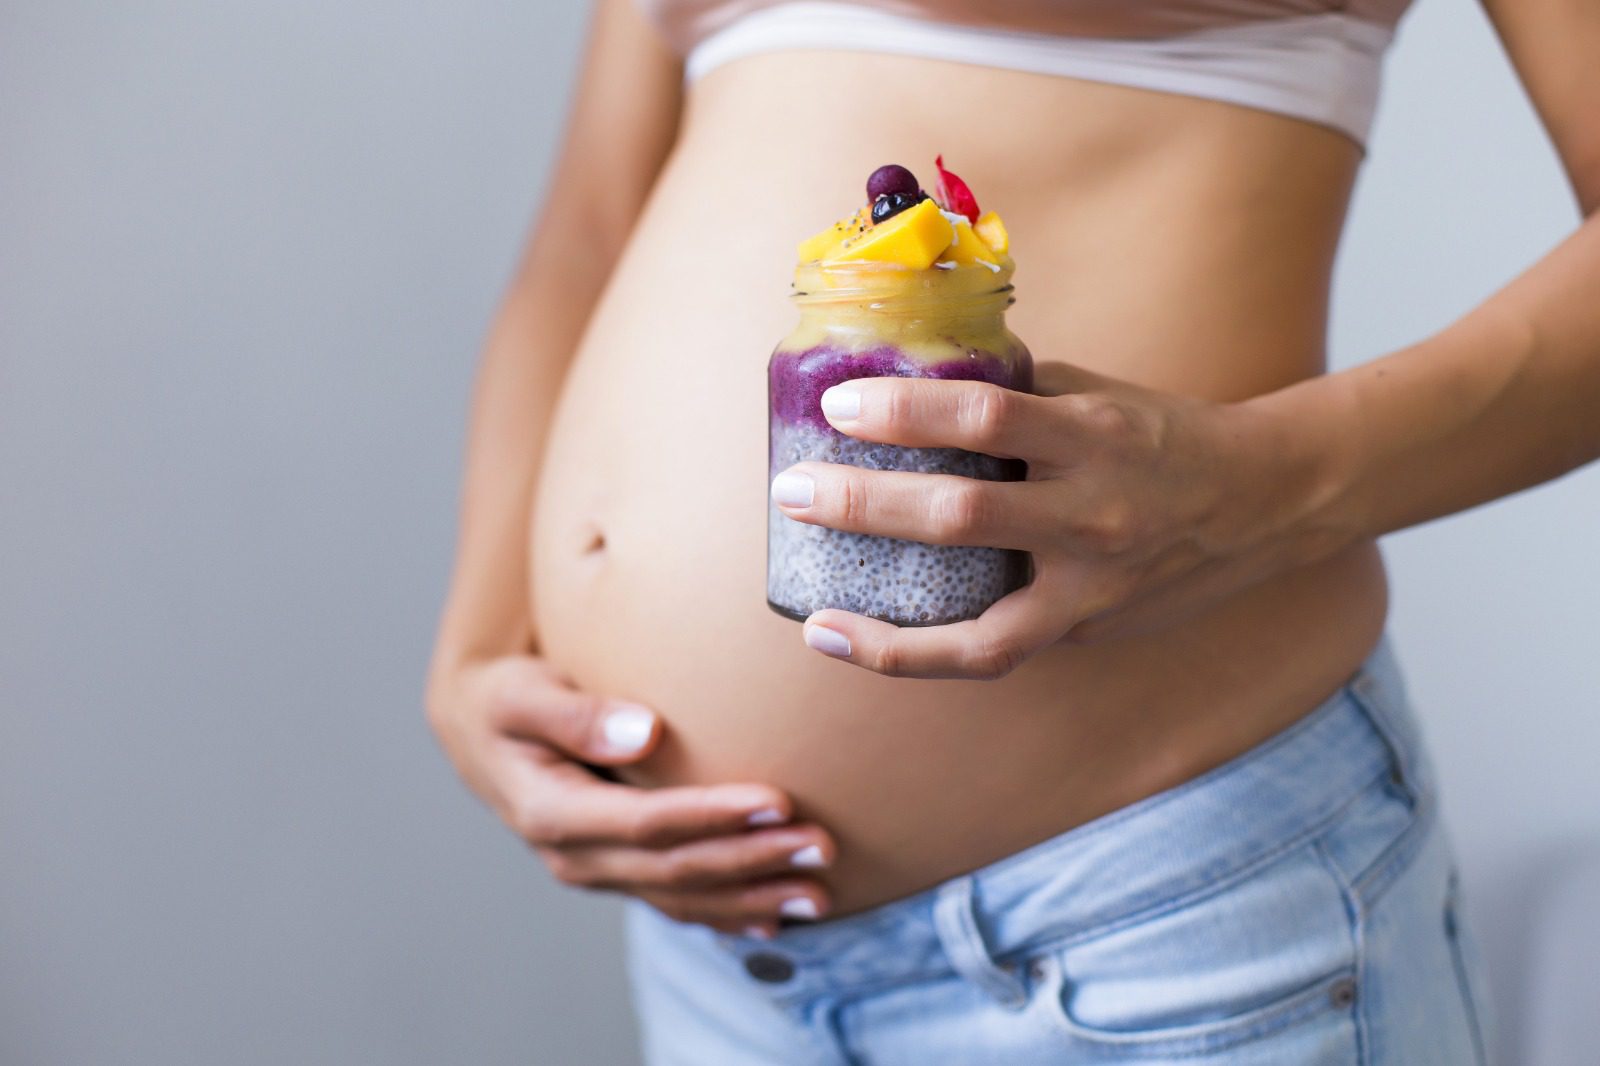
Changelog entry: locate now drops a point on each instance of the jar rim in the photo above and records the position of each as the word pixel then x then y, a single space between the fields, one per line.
pixel 877 283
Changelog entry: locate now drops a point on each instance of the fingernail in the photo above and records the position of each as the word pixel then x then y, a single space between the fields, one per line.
pixel 626 729
pixel 799 907
pixel 793 490
pixel 810 855
pixel 841 401
pixel 767 816
pixel 758 932
pixel 827 641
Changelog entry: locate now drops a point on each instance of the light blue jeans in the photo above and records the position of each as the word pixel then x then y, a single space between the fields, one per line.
pixel 1295 905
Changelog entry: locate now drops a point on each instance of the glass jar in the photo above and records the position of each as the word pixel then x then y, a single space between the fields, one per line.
pixel 875 320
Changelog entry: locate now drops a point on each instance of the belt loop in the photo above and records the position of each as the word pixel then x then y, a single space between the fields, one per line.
pixel 956 921
pixel 1380 692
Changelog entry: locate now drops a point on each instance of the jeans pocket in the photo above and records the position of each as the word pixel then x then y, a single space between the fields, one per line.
pixel 1273 950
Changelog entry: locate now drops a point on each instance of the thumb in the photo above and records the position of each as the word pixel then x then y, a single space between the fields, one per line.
pixel 529 702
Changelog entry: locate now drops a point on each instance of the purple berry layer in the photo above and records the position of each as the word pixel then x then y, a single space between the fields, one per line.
pixel 798 379
pixel 906 582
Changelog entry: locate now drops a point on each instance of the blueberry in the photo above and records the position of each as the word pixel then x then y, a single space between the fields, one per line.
pixel 891 178
pixel 890 204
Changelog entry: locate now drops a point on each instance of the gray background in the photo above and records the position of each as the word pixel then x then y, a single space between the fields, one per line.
pixel 247 252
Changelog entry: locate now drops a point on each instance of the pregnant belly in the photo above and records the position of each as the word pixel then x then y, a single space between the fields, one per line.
pixel 649 524
pixel 649 551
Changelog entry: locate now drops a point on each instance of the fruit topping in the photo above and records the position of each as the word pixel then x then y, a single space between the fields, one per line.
pixel 993 232
pixel 966 248
pixel 915 238
pixel 824 244
pixel 954 194
pixel 890 204
pixel 891 178
pixel 904 225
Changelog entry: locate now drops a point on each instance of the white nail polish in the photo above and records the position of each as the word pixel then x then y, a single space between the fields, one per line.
pixel 793 490
pixel 827 641
pixel 767 816
pixel 841 401
pixel 799 907
pixel 810 856
pixel 626 729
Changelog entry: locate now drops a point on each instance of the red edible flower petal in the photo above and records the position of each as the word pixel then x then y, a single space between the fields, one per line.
pixel 954 195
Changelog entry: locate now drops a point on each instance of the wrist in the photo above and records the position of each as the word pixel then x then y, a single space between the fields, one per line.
pixel 457 649
pixel 1304 461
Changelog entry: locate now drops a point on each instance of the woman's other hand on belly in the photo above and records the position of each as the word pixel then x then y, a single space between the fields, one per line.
pixel 1140 508
pixel 722 855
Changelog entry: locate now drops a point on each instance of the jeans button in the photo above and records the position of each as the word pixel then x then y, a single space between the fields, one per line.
pixel 766 966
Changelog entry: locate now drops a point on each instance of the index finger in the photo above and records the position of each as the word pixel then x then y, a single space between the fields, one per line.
pixel 560 803
pixel 934 413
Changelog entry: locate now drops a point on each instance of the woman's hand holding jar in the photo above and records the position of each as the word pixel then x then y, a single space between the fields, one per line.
pixel 1140 507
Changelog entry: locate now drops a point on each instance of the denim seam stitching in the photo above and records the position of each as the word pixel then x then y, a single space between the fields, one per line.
pixel 1207 887
pixel 1357 917
pixel 1289 1011
pixel 1204 1040
pixel 831 1023
pixel 1383 871
pixel 840 998
pixel 1458 961
pixel 1401 742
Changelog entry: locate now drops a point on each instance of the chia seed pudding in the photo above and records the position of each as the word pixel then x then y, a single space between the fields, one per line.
pixel 810 567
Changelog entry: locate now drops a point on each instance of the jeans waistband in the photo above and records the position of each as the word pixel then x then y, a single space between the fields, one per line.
pixel 1186 840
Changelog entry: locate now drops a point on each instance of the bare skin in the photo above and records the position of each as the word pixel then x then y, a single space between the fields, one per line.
pixel 1204 501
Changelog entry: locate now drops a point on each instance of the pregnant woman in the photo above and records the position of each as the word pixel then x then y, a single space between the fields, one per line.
pixel 1165 803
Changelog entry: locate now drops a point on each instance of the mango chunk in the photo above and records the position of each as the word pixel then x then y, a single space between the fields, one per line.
pixel 913 238
pixel 824 244
pixel 993 232
pixel 966 248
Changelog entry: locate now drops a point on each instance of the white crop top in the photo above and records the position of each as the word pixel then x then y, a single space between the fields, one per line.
pixel 1317 60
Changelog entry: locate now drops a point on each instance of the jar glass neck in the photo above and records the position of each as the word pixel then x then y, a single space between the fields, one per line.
pixel 867 294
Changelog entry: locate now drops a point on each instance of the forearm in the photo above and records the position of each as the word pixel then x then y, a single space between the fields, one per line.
pixel 1504 399
pixel 524 360
pixel 620 129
